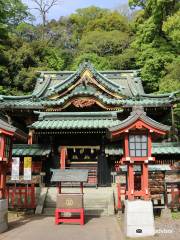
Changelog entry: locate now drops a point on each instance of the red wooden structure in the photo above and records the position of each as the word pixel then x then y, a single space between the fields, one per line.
pixel 60 219
pixel 121 190
pixel 6 135
pixel 69 202
pixel 63 155
pixel 22 197
pixel 137 132
pixel 58 212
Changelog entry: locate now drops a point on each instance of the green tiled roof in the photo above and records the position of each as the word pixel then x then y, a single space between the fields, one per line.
pixel 76 120
pixel 138 114
pixel 30 103
pixel 75 124
pixel 30 150
pixel 123 83
pixel 166 148
pixel 157 149
pixel 109 101
pixel 151 168
pixel 112 86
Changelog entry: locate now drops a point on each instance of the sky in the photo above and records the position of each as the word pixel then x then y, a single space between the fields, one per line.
pixel 67 7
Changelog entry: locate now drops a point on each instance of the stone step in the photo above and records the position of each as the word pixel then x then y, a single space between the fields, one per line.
pixel 87 203
pixel 98 202
pixel 88 212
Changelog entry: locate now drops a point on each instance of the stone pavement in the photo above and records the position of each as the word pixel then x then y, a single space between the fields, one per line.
pixel 43 228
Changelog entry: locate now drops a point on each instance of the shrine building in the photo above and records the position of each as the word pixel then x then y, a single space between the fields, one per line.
pixel 102 121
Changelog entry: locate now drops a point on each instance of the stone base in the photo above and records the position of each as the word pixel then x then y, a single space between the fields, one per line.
pixel 3 215
pixel 139 218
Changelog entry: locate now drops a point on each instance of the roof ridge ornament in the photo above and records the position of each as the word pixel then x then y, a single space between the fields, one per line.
pixel 138 109
pixel 86 65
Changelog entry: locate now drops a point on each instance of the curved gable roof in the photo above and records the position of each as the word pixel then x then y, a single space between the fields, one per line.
pixel 137 115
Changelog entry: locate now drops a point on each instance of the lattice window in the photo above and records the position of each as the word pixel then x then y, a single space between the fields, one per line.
pixel 138 145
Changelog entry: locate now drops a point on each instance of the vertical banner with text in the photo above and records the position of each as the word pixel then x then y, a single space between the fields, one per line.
pixel 27 168
pixel 15 168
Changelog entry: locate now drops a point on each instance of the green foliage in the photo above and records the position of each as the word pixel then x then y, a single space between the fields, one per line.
pixel 150 41
pixel 13 12
pixel 100 63
pixel 124 61
pixel 54 60
pixel 154 32
pixel 172 28
pixel 104 43
pixel 108 22
pixel 82 18
pixel 171 81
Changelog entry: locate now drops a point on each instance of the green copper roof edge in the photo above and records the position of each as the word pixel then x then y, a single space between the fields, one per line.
pixel 68 124
pixel 101 98
pixel 157 149
pixel 117 88
pixel 101 71
pixel 43 89
pixel 8 97
pixel 164 95
pixel 62 85
pixel 87 115
pixel 135 115
pixel 99 77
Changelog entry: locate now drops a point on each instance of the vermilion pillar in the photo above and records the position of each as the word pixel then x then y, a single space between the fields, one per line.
pixel 2 179
pixel 130 181
pixel 63 153
pixel 145 181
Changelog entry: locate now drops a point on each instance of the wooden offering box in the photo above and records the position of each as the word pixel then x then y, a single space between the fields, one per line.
pixel 69 201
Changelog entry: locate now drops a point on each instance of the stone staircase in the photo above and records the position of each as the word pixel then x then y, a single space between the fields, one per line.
pixel 97 202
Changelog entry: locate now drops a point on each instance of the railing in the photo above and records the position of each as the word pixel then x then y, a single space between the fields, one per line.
pixel 22 197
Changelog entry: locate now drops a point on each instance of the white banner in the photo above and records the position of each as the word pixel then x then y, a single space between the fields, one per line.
pixel 27 168
pixel 15 168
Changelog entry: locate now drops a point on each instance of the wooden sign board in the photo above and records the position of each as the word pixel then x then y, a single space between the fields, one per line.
pixel 15 169
pixel 27 168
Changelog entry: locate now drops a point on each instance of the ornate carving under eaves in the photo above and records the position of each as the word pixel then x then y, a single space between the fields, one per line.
pixel 81 103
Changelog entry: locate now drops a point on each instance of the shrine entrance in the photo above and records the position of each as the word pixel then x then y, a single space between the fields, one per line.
pixel 91 158
pixel 81 157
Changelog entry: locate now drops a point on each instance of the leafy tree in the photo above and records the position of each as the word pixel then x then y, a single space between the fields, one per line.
pixel 16 12
pixel 81 18
pixel 54 59
pixel 172 29
pixel 104 43
pixel 108 22
pixel 153 49
pixel 171 81
pixel 125 61
pixel 100 63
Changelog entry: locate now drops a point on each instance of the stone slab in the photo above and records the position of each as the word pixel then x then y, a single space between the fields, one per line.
pixel 3 204
pixel 139 218
pixel 3 227
pixel 41 200
pixel 3 215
